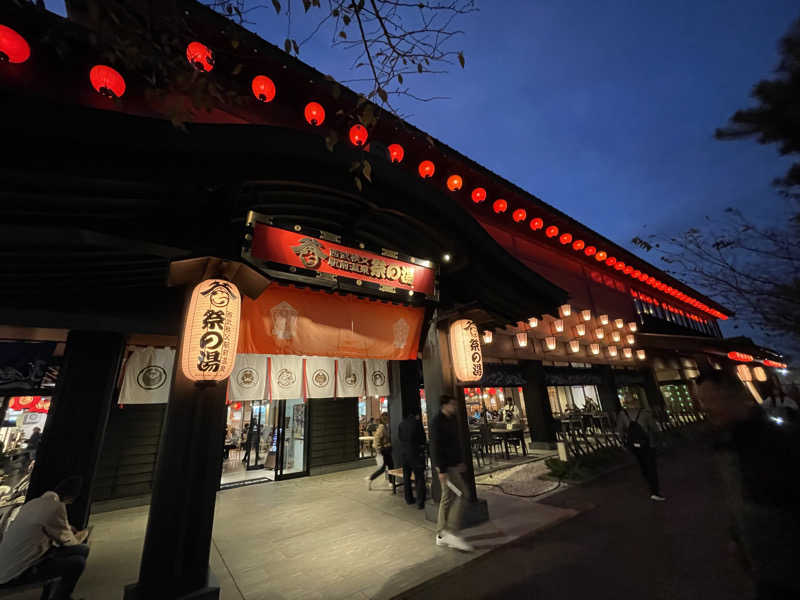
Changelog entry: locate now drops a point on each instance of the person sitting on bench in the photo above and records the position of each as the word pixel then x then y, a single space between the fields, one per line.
pixel 40 544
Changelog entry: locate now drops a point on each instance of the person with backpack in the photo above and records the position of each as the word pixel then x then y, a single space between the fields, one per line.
pixel 637 428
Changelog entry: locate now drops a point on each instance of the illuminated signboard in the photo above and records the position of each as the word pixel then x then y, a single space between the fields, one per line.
pixel 316 257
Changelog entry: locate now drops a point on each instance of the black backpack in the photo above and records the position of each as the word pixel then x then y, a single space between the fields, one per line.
pixel 636 436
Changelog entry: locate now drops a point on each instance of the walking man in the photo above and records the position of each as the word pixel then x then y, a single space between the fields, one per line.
pixel 448 458
pixel 637 428
pixel 412 455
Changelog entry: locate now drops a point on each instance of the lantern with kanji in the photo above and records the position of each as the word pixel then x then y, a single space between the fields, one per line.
pixel 465 350
pixel 211 331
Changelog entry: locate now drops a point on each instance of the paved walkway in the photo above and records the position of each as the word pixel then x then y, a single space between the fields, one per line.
pixel 622 545
pixel 317 537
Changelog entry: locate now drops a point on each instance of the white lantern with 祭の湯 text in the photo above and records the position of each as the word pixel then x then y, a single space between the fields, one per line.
pixel 211 331
pixel 465 350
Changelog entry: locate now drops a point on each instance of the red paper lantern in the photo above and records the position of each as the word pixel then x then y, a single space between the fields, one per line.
pixel 500 206
pixel 636 274
pixel 536 223
pixel 551 231
pixel 590 250
pixel 643 277
pixel 454 183
pixel 107 81
pixel 740 356
pixel 619 266
pixel 237 406
pixel 426 169
pixel 358 135
pixel 13 47
pixel 478 195
pixel 578 245
pixel 315 114
pixel 263 88
pixel 600 256
pixel 200 56
pixel 651 280
pixel 396 153
pixel 519 215
pixel 565 238
pixel 628 270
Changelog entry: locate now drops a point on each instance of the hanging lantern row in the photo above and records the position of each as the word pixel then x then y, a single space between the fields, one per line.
pixel 110 83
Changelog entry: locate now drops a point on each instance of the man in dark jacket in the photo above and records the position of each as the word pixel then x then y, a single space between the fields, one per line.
pixel 412 456
pixel 448 458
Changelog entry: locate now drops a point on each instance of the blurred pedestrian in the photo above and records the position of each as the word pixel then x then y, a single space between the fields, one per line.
pixel 447 455
pixel 412 455
pixel 383 446
pixel 637 428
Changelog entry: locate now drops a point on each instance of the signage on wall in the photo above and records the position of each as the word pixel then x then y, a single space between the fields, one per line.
pixel 211 331
pixel 465 350
pixel 317 257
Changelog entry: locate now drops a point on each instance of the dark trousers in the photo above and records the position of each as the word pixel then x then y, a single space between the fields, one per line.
pixel 66 562
pixel 388 463
pixel 419 481
pixel 647 462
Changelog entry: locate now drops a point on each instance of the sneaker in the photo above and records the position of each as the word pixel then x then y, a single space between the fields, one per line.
pixel 445 538
pixel 657 498
pixel 369 483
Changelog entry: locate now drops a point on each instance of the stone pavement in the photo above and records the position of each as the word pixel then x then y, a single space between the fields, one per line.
pixel 316 537
pixel 622 545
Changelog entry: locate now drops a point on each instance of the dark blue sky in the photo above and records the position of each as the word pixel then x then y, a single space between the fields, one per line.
pixel 604 109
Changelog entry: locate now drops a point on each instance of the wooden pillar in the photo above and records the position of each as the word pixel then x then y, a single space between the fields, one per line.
pixel 439 379
pixel 76 423
pixel 541 423
pixel 607 391
pixel 403 397
pixel 177 542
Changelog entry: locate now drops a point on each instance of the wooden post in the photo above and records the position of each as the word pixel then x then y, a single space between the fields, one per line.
pixel 541 423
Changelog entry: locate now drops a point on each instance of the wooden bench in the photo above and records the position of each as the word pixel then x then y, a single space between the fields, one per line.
pixel 394 475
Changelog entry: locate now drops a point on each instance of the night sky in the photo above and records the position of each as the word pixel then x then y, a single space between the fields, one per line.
pixel 603 109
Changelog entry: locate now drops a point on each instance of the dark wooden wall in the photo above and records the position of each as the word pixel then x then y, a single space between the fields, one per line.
pixel 129 455
pixel 334 431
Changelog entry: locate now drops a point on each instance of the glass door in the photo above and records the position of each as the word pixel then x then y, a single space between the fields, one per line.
pixel 255 439
pixel 291 434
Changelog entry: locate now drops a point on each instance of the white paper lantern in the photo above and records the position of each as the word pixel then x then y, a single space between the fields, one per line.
pixel 616 336
pixel 612 351
pixel 522 339
pixel 487 337
pixel 619 323
pixel 603 319
pixel 533 322
pixel 565 310
pixel 595 349
pixel 211 331
pixel 632 326
pixel 550 342
pixel 586 315
pixel 627 352
pixel 465 350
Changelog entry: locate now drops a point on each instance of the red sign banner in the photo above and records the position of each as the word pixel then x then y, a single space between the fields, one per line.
pixel 272 244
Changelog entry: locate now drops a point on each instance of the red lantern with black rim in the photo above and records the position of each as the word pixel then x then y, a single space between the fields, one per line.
pixel 358 135
pixel 590 251
pixel 454 183
pixel 426 169
pixel 565 238
pixel 107 81
pixel 519 215
pixel 500 206
pixel 200 56
pixel 478 195
pixel 263 88
pixel 536 224
pixel 578 245
pixel 600 256
pixel 14 48
pixel 314 114
pixel 396 153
